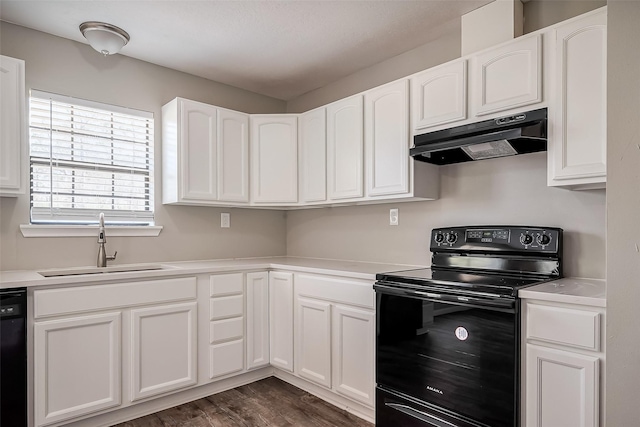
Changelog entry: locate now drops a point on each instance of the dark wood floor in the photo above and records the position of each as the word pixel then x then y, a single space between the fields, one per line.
pixel 269 402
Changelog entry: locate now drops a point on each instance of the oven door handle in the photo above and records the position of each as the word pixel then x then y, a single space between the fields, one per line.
pixel 482 301
pixel 422 416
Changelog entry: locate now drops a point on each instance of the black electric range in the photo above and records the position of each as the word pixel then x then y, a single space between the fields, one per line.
pixel 448 337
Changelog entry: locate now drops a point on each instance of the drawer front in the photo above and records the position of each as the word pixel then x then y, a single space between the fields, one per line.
pixel 223 307
pixel 225 330
pixel 226 358
pixel 346 291
pixel 55 302
pixel 226 284
pixel 566 326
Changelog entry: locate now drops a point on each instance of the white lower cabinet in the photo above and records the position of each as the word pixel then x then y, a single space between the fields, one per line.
pixel 335 335
pixel 353 353
pixel 562 387
pixel 163 349
pixel 226 326
pixel 257 320
pixel 102 347
pixel 76 366
pixel 313 361
pixel 281 320
pixel 563 364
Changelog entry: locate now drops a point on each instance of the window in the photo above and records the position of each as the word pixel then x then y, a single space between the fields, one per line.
pixel 88 158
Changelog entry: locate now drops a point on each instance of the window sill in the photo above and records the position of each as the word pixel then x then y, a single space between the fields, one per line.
pixel 29 230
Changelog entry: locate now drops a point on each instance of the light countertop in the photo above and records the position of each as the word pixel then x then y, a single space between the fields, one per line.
pixel 353 269
pixel 569 290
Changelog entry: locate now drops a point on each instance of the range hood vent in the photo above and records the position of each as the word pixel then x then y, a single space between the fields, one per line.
pixel 505 136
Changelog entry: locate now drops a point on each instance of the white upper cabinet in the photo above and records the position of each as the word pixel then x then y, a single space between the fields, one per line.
pixel 439 95
pixel 386 124
pixel 508 76
pixel 205 155
pixel 233 156
pixel 345 148
pixel 274 159
pixel 12 125
pixel 313 155
pixel 578 129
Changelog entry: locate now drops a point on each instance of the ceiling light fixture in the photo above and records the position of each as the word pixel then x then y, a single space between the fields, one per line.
pixel 105 38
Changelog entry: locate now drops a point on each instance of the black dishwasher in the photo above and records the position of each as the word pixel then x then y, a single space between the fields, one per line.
pixel 13 357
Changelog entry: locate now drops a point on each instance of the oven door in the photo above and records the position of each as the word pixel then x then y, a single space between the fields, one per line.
pixel 458 355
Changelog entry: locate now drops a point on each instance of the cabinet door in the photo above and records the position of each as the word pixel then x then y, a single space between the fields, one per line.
pixel 76 366
pixel 163 349
pixel 345 148
pixel 257 320
pixel 281 319
pixel 561 388
pixel 12 125
pixel 198 144
pixel 578 140
pixel 274 159
pixel 386 124
pixel 439 95
pixel 313 341
pixel 509 76
pixel 313 156
pixel 353 353
pixel 233 156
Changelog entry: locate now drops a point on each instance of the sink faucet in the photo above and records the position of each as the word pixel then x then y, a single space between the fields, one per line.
pixel 102 252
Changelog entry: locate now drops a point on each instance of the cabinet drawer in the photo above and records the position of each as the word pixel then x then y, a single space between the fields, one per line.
pixel 566 326
pixel 226 358
pixel 225 330
pixel 226 284
pixel 54 302
pixel 221 308
pixel 336 289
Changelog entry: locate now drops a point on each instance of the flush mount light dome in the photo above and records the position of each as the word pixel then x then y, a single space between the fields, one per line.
pixel 105 38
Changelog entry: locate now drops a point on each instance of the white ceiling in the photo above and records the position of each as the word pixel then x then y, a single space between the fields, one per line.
pixel 281 49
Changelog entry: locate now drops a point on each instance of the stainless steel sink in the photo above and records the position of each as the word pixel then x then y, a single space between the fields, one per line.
pixel 73 271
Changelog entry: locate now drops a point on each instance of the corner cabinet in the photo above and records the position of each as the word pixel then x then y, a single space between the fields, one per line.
pixel 281 320
pixel 578 129
pixel 312 146
pixel 563 368
pixel 205 154
pixel 13 126
pixel 274 159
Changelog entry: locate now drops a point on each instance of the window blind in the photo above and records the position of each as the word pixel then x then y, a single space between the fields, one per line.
pixel 88 158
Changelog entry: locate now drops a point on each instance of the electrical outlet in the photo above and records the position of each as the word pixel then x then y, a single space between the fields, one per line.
pixel 225 220
pixel 393 216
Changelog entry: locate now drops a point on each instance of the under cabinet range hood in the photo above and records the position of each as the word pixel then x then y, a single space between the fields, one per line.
pixel 504 136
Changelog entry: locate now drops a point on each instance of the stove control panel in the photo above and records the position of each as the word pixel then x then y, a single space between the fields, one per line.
pixel 547 240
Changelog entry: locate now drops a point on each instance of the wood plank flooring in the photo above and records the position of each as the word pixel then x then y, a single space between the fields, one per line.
pixel 267 403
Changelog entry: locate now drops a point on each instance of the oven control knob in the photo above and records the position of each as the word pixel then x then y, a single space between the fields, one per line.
pixel 543 239
pixel 526 239
pixel 451 237
pixel 439 238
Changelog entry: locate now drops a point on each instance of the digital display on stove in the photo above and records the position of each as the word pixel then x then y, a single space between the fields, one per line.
pixel 487 236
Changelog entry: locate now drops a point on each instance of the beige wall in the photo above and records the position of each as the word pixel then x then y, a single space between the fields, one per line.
pixel 62 66
pixel 508 190
pixel 498 191
pixel 542 13
pixel 623 215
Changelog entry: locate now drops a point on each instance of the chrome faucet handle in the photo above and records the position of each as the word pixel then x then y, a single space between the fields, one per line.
pixel 112 257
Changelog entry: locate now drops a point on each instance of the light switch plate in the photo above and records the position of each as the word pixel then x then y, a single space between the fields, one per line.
pixel 225 220
pixel 393 216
